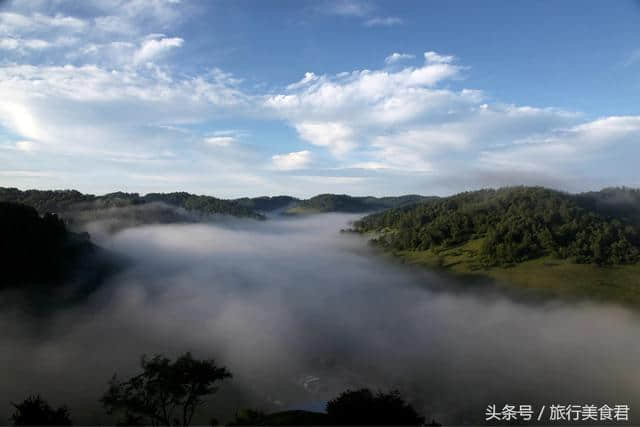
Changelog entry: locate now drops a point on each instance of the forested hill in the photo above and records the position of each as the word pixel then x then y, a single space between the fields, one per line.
pixel 512 225
pixel 68 201
pixel 75 207
pixel 621 202
pixel 267 204
pixel 350 204
pixel 37 250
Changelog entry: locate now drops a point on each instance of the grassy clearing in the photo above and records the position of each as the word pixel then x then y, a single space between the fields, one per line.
pixel 552 277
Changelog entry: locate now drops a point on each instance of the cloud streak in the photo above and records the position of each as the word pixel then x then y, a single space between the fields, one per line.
pixel 292 161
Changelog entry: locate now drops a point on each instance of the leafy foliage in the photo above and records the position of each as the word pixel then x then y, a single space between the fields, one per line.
pixel 45 201
pixel 515 224
pixel 166 392
pixel 35 411
pixel 618 202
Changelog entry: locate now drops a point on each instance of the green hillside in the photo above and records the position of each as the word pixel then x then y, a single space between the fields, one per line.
pixel 532 236
pixel 343 203
pixel 69 202
pixel 267 204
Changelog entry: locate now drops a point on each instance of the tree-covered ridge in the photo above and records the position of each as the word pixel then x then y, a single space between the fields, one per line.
pixel 618 202
pixel 266 203
pixel 38 249
pixel 514 225
pixel 46 201
pixel 350 204
pixel 203 204
pixel 66 201
pixel 77 208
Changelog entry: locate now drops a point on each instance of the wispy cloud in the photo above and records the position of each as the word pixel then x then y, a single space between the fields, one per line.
pixel 154 47
pixel 397 57
pixel 357 8
pixel 220 141
pixel 360 9
pixel 435 58
pixel 307 79
pixel 387 21
pixel 292 161
pixel 10 43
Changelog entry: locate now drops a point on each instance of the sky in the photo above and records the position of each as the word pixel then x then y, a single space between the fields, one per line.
pixel 247 98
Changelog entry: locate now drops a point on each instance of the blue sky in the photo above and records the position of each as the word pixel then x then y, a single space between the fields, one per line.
pixel 245 98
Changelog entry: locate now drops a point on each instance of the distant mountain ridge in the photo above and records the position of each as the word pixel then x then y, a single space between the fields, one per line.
pixel 345 203
pixel 267 203
pixel 73 205
pixel 583 244
pixel 63 201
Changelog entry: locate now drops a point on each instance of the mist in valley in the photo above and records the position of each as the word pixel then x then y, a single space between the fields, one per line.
pixel 299 312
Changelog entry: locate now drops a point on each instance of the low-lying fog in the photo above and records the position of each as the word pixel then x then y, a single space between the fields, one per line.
pixel 299 312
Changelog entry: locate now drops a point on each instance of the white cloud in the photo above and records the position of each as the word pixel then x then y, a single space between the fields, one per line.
pixel 115 24
pixel 347 8
pixel 558 148
pixel 359 92
pixel 397 57
pixel 435 58
pixel 359 9
pixel 307 79
pixel 60 20
pixel 26 146
pixel 337 112
pixel 370 165
pixel 9 43
pixel 292 161
pixel 387 21
pixel 401 121
pixel 413 148
pixel 220 141
pixel 90 111
pixel 154 47
pixel 12 22
pixel 336 136
pixel 160 13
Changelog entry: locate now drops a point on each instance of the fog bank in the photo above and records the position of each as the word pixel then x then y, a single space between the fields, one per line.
pixel 299 312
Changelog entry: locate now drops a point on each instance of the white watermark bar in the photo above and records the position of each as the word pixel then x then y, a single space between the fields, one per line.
pixel 587 413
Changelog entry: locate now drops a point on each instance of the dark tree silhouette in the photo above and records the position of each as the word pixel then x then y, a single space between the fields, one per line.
pixel 166 392
pixel 362 407
pixel 35 411
pixel 250 417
